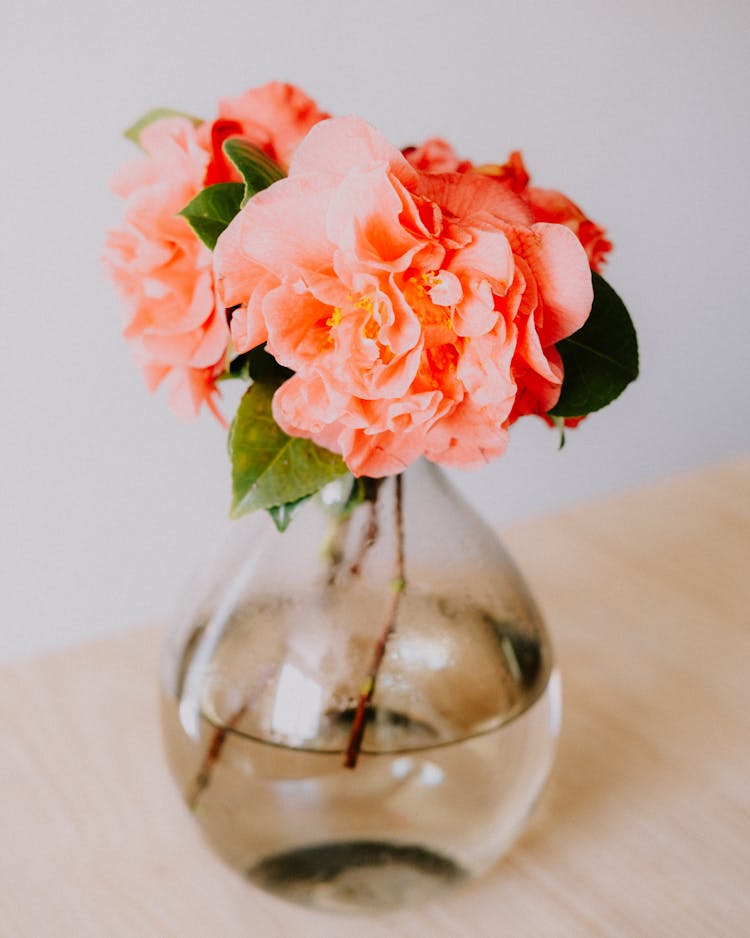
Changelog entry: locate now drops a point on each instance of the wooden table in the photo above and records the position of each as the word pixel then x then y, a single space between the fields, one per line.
pixel 644 830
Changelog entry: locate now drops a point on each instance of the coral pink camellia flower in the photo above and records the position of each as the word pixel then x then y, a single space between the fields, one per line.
pixel 274 117
pixel 416 309
pixel 162 269
pixel 552 206
pixel 437 156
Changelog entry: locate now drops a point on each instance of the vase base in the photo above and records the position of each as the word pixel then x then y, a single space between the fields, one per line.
pixel 362 875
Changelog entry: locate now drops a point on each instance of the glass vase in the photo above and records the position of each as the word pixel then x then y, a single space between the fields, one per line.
pixel 362 710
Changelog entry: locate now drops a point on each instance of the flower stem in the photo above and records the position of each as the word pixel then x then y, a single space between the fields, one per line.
pixel 368 688
pixel 218 738
pixel 371 532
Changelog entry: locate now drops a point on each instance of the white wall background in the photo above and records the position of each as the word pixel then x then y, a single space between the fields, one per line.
pixel 638 110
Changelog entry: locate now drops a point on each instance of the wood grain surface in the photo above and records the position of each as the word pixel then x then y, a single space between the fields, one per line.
pixel 644 829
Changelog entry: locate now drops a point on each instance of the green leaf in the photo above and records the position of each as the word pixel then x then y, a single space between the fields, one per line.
pixel 257 169
pixel 212 209
pixel 360 490
pixel 259 365
pixel 156 114
pixel 269 468
pixel 601 359
pixel 282 514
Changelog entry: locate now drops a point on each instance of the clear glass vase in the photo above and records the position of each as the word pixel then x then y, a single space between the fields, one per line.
pixel 362 710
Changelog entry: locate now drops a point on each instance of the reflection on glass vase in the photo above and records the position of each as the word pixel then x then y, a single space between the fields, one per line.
pixel 363 709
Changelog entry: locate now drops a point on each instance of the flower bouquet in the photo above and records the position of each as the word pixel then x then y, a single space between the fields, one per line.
pixel 381 305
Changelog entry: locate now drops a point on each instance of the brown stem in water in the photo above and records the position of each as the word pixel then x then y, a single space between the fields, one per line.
pixel 368 689
pixel 203 776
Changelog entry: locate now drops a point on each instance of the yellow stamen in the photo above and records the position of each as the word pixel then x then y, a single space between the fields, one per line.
pixel 418 285
pixel 335 319
pixel 365 302
pixel 371 329
pixel 430 279
pixel 490 169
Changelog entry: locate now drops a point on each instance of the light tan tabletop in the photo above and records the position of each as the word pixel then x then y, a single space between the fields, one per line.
pixel 644 830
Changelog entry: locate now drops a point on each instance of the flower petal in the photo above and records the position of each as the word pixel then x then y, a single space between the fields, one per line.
pixel 282 230
pixel 470 196
pixel 341 144
pixel 561 269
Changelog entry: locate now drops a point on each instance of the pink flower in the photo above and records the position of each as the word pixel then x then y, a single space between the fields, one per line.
pixel 552 206
pixel 436 156
pixel 547 205
pixel 274 117
pixel 164 272
pixel 417 310
pixel 160 266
